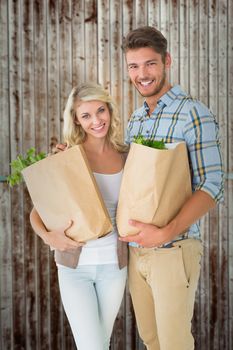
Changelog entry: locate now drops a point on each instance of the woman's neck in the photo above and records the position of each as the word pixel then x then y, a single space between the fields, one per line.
pixel 98 146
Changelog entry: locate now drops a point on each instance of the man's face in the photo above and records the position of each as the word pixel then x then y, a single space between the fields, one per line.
pixel 147 70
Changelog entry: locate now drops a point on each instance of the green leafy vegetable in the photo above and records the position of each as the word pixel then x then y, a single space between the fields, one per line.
pixel 149 143
pixel 20 163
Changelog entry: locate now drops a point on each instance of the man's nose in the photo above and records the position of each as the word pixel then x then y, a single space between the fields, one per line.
pixel 142 71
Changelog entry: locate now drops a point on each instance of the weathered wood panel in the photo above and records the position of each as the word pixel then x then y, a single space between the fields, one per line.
pixel 53 133
pixel 183 47
pixel 223 295
pixel 202 317
pixel 17 232
pixel 213 223
pixel 5 205
pixel 28 136
pixel 48 46
pixel 229 167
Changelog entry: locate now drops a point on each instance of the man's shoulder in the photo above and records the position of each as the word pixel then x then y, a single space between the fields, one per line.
pixel 189 103
pixel 139 111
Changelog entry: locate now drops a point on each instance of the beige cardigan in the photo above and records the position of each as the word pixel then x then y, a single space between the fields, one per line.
pixel 71 258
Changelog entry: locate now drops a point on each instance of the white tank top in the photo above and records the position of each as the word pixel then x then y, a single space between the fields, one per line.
pixel 104 250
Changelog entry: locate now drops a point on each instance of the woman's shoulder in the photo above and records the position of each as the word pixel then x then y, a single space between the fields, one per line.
pixel 124 155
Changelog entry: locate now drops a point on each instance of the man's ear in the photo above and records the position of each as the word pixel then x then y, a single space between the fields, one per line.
pixel 168 60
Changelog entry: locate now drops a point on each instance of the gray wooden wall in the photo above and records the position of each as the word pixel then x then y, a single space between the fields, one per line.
pixel 47 46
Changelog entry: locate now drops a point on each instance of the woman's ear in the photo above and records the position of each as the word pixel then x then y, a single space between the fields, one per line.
pixel 76 120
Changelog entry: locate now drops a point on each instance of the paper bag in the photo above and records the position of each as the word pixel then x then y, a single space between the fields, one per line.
pixel 62 188
pixel 155 185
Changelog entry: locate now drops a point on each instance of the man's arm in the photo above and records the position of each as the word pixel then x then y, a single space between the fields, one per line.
pixel 152 236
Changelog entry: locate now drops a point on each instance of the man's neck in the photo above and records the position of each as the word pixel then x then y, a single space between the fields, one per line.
pixel 153 100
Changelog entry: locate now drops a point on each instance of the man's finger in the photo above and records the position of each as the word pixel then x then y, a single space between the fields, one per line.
pixel 134 238
pixel 136 223
pixel 61 146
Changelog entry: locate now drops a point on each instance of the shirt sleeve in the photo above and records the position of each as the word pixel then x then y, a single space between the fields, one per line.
pixel 202 138
pixel 128 136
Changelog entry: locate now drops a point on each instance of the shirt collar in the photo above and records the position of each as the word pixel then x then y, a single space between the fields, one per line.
pixel 167 98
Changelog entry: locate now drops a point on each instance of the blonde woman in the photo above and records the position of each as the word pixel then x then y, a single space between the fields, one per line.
pixel 92 277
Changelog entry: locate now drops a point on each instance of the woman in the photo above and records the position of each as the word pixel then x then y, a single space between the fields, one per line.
pixel 92 291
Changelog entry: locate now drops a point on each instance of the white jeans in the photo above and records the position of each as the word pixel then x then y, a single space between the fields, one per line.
pixel 91 296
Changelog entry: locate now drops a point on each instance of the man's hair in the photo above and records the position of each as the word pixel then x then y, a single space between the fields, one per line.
pixel 146 37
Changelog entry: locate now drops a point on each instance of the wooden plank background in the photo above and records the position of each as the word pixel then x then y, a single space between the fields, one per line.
pixel 48 46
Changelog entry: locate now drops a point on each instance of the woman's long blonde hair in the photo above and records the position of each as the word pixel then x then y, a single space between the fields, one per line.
pixel 73 133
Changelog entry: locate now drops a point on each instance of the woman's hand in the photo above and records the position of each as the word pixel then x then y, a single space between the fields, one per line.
pixel 57 239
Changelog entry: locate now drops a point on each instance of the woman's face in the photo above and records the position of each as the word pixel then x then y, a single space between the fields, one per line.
pixel 94 117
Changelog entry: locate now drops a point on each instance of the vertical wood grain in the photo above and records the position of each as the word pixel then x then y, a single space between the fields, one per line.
pixel 229 168
pixel 213 225
pixel 78 45
pixel 90 41
pixel 54 135
pixel 41 142
pixel 103 44
pixel 28 136
pixel 184 45
pixel 223 225
pixel 202 314
pixel 194 47
pixel 128 96
pixel 174 42
pixel 17 235
pixel 154 13
pixel 5 204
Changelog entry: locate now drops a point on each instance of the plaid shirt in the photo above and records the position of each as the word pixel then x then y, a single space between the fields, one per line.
pixel 178 117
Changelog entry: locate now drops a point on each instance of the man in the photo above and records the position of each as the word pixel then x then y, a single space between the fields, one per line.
pixel 165 265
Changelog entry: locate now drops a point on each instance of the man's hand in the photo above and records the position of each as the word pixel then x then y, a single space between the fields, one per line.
pixel 149 235
pixel 152 236
pixel 59 148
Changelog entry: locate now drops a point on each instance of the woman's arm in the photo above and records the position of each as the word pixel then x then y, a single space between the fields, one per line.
pixel 55 239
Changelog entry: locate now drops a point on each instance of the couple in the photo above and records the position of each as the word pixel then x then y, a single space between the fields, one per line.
pixel 163 267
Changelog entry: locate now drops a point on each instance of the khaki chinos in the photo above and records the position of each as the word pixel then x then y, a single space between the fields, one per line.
pixel 162 283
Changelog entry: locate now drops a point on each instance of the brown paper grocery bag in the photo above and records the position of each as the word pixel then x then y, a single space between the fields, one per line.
pixel 62 188
pixel 155 185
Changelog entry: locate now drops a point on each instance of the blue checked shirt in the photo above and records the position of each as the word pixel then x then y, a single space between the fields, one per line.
pixel 178 117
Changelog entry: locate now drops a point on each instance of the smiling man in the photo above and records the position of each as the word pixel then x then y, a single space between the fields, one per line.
pixel 147 70
pixel 164 262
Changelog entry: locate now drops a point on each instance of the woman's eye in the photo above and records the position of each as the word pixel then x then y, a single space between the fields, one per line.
pixel 101 110
pixel 85 116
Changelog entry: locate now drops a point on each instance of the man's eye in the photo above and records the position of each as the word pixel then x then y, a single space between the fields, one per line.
pixel 132 67
pixel 151 63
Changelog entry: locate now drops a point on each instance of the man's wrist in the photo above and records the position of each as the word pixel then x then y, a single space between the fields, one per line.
pixel 171 230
